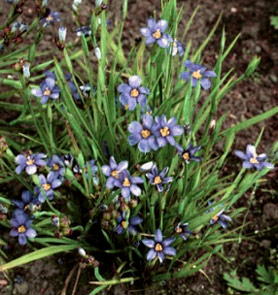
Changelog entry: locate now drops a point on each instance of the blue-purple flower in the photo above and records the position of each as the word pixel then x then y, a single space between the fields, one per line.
pixel 219 218
pixel 159 247
pixel 47 184
pixel 55 163
pixel 48 89
pixel 27 203
pixel 176 47
pixel 85 30
pixel 51 18
pixel 252 159
pixel 166 130
pixel 113 171
pixel 197 73
pixel 21 227
pixel 159 178
pixel 29 163
pixel 188 154
pixel 127 224
pixel 143 134
pixel 155 33
pixel 128 184
pixel 182 230
pixel 94 168
pixel 132 93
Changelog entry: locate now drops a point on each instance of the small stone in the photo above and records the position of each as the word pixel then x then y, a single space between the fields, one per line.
pixel 21 289
pixel 271 211
pixel 273 78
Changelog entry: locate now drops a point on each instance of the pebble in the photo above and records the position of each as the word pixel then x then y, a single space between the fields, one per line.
pixel 21 289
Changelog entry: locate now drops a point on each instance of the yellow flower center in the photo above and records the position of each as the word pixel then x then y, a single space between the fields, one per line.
pixel 158 247
pixel 175 43
pixel 197 75
pixel 186 156
pixel 179 230
pixel 46 92
pixel 157 180
pixel 55 167
pixel 126 107
pixel 21 229
pixel 124 224
pixel 115 174
pixel 29 161
pixel 126 182
pixel 215 217
pixel 145 133
pixel 157 34
pixel 49 18
pixel 254 159
pixel 165 131
pixel 134 92
pixel 46 186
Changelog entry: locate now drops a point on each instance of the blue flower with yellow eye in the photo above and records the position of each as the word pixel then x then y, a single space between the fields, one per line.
pixel 55 163
pixel 128 184
pixel 155 33
pixel 28 202
pixel 127 224
pixel 47 184
pixel 133 93
pixel 159 247
pixel 51 18
pixel 188 155
pixel 167 130
pixel 48 89
pixel 219 218
pixel 197 73
pixel 252 160
pixel 113 171
pixel 29 163
pixel 182 230
pixel 159 178
pixel 143 134
pixel 21 227
pixel 176 47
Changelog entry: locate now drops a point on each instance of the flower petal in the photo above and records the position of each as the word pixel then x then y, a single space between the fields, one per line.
pixel 135 127
pixel 151 254
pixel 158 235
pixel 135 190
pixel 134 81
pixel 170 251
pixel 148 242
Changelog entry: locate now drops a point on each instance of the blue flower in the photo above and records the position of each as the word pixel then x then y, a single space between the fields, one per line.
pixel 50 18
pixel 21 227
pixel 67 160
pixel 47 185
pixel 113 171
pixel 155 33
pixel 128 184
pixel 85 30
pixel 55 163
pixel 159 247
pixel 28 202
pixel 176 47
pixel 252 159
pixel 182 230
pixel 72 87
pixel 94 168
pixel 29 163
pixel 19 26
pixel 132 93
pixel 166 130
pixel 158 179
pixel 219 218
pixel 48 89
pixel 124 224
pixel 143 134
pixel 197 72
pixel 188 154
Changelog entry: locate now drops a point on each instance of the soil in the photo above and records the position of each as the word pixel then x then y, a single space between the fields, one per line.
pixel 251 97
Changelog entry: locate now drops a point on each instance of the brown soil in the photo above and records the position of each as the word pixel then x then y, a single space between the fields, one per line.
pixel 253 96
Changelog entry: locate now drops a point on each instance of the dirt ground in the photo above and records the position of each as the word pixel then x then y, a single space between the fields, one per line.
pixel 253 96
